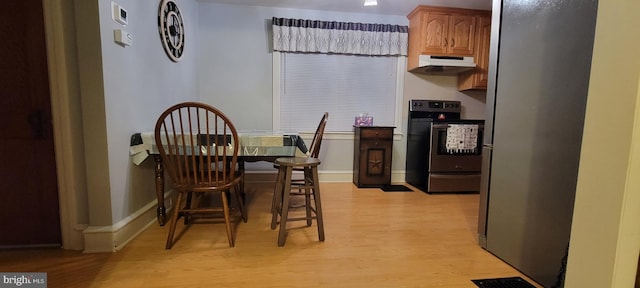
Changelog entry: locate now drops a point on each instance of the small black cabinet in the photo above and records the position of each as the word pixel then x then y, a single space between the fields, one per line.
pixel 373 146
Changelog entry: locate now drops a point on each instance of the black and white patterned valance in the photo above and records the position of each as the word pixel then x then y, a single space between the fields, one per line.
pixel 298 35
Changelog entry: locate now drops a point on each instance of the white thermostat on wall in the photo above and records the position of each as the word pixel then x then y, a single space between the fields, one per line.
pixel 118 13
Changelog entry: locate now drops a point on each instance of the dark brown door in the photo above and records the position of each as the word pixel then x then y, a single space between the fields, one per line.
pixel 29 214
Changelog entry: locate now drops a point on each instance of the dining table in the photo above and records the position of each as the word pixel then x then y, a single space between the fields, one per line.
pixel 254 146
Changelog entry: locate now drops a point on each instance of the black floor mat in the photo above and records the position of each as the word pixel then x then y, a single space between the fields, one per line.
pixel 511 282
pixel 395 188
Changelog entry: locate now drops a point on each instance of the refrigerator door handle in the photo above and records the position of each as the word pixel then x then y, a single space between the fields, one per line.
pixel 487 150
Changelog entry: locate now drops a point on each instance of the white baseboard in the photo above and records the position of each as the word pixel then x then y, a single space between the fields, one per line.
pixel 114 237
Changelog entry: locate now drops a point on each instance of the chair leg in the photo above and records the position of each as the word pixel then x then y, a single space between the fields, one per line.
pixel 307 194
pixel 188 206
pixel 318 204
pixel 227 218
pixel 174 220
pixel 285 207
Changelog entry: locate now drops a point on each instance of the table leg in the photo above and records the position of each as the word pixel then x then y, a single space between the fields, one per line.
pixel 161 210
pixel 285 206
pixel 276 202
pixel 242 191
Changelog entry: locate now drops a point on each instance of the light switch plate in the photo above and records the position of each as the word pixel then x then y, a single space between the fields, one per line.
pixel 122 37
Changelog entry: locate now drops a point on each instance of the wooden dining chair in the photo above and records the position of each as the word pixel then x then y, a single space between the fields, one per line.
pixel 299 184
pixel 314 148
pixel 199 150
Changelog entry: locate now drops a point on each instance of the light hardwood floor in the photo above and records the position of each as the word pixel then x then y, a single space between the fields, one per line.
pixel 373 239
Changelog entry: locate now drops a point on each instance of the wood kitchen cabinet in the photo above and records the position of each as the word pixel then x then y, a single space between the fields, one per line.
pixel 373 146
pixel 447 34
pixel 440 31
pixel 477 78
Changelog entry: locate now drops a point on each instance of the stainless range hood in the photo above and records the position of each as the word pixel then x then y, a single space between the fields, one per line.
pixel 443 65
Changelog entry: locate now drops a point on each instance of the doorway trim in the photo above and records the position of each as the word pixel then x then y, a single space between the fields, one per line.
pixel 59 22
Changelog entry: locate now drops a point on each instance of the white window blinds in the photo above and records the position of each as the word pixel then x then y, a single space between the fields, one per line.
pixel 343 85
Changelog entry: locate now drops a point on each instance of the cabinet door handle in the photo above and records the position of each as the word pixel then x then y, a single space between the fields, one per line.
pixel 446 43
pixel 453 42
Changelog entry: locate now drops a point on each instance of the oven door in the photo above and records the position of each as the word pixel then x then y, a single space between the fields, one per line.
pixel 456 147
pixel 455 157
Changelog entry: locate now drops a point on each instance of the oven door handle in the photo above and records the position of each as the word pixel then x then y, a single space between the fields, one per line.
pixel 455 176
pixel 446 125
pixel 440 126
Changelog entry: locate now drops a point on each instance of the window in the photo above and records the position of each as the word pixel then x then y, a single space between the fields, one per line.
pixel 307 85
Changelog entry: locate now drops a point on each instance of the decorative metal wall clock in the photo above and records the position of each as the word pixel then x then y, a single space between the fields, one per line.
pixel 171 28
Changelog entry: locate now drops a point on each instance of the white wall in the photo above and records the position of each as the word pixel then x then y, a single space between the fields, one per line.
pixel 124 90
pixel 140 82
pixel 435 87
pixel 235 73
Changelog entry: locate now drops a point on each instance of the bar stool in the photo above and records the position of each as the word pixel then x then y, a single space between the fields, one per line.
pixel 311 186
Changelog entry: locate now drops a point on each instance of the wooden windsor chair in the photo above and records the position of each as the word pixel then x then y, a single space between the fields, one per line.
pixel 199 149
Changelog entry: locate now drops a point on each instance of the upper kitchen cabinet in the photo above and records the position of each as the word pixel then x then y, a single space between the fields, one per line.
pixel 477 78
pixel 446 34
pixel 442 31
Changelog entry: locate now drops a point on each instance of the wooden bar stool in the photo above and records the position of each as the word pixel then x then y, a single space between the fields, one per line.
pixel 281 200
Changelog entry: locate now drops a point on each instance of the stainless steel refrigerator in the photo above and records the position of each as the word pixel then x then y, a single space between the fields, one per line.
pixel 540 61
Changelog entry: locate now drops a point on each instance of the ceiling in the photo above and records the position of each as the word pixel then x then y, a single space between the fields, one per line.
pixel 387 7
